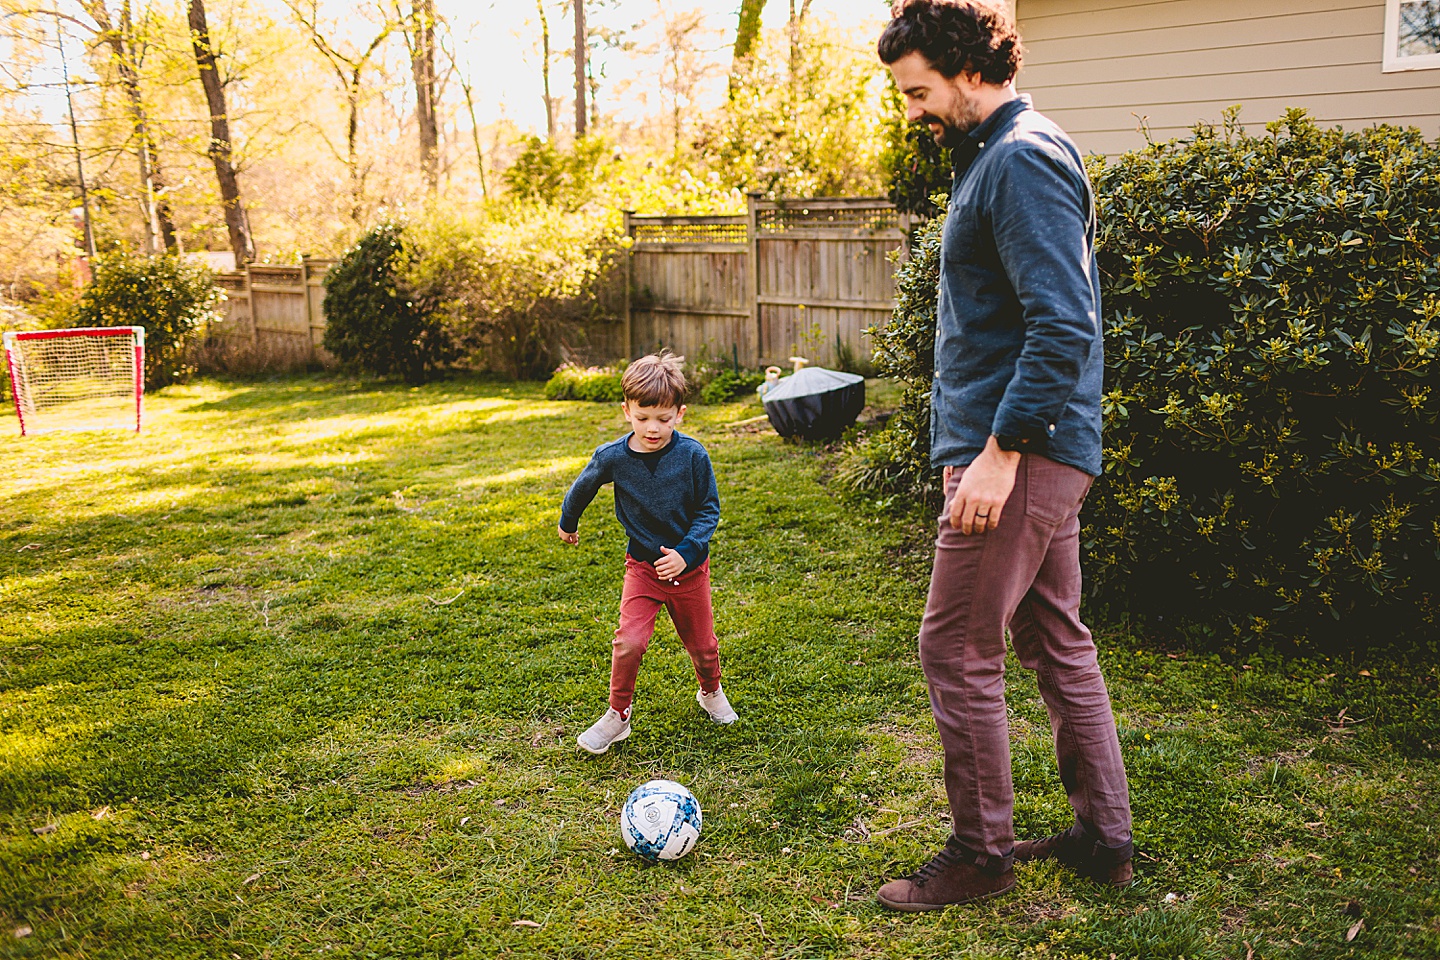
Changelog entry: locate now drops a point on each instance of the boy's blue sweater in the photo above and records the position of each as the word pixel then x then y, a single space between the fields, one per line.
pixel 663 499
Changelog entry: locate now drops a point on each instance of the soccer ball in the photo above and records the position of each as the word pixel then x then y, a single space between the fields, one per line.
pixel 660 821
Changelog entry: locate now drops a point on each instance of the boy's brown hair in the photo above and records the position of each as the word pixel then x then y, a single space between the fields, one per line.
pixel 656 380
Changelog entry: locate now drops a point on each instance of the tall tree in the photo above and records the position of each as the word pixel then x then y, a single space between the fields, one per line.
pixel 126 51
pixel 582 45
pixel 545 70
pixel 221 152
pixel 420 40
pixel 348 67
pixel 684 65
pixel 467 88
pixel 746 32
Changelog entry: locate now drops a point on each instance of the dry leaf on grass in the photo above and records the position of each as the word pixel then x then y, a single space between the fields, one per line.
pixel 1354 931
pixel 21 932
pixel 41 831
pixel 525 923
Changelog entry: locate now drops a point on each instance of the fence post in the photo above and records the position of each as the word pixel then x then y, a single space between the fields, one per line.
pixel 626 251
pixel 250 299
pixel 305 291
pixel 752 272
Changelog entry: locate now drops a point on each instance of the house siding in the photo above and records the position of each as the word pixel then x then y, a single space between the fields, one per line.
pixel 1101 68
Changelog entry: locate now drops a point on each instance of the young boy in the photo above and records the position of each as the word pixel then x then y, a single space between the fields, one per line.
pixel 665 498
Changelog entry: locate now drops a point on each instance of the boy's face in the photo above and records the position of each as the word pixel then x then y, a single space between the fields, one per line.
pixel 653 426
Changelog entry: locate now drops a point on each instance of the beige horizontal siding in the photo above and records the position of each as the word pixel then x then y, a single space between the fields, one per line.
pixel 1062 19
pixel 1098 67
pixel 1358 26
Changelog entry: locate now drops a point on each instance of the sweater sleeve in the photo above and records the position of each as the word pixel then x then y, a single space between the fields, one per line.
pixel 707 517
pixel 1041 219
pixel 595 475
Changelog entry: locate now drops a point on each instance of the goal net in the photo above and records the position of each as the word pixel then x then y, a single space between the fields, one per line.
pixel 88 378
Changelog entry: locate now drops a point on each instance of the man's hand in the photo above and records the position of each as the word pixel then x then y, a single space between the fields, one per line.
pixel 984 488
pixel 670 565
pixel 570 538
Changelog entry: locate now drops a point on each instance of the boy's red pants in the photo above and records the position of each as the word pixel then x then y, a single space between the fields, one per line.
pixel 687 597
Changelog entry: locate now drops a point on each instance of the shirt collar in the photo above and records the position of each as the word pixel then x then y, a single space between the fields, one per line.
pixel 1000 118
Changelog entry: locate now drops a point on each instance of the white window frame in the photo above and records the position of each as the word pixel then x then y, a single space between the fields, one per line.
pixel 1394 63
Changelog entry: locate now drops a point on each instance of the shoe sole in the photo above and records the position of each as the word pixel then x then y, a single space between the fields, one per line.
pixel 604 749
pixel 713 718
pixel 929 907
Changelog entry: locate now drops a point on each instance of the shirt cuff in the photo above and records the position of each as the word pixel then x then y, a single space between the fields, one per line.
pixel 690 550
pixel 1031 434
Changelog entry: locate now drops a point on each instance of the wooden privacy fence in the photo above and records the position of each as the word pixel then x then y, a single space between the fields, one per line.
pixel 274 317
pixel 788 277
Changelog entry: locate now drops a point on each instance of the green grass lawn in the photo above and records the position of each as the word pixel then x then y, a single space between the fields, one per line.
pixel 299 670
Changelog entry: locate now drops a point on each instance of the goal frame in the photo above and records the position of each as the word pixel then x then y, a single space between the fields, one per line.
pixel 11 338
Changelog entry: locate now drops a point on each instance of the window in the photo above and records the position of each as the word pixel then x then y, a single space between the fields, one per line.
pixel 1412 35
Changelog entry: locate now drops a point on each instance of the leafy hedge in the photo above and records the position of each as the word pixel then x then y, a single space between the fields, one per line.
pixel 1273 320
pixel 173 299
pixel 574 382
pixel 374 320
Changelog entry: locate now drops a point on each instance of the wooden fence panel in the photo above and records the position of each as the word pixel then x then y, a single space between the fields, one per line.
pixel 688 287
pixel 273 318
pixel 821 275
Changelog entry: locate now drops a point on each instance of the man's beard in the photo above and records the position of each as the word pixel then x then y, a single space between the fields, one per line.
pixel 955 127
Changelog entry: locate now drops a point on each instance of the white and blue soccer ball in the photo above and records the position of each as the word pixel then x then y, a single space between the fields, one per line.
pixel 660 821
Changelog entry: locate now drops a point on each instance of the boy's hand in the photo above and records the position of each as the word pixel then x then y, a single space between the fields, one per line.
pixel 571 538
pixel 670 565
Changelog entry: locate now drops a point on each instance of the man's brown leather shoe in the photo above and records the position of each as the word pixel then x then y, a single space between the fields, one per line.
pixel 1079 851
pixel 954 875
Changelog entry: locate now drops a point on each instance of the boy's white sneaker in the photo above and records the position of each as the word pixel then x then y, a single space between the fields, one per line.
pixel 716 705
pixel 609 729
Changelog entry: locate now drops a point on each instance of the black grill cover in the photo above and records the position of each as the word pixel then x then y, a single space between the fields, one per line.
pixel 814 403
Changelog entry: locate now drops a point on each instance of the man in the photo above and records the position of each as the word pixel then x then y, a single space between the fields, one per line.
pixel 1016 426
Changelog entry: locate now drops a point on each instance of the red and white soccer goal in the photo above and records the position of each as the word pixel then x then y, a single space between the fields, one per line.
pixel 86 378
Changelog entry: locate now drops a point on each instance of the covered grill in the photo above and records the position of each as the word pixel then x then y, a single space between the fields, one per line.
pixel 814 403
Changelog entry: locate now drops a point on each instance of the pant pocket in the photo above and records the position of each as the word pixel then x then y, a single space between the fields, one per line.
pixel 1053 491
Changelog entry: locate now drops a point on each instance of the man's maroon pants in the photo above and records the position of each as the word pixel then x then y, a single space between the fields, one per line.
pixel 1023 576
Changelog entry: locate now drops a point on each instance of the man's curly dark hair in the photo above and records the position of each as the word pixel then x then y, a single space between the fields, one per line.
pixel 956 36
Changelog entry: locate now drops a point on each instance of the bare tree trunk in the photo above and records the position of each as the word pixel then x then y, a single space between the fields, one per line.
pixel 236 221
pixel 475 132
pixel 581 52
pixel 154 210
pixel 545 70
pixel 348 70
pixel 747 32
pixel 422 65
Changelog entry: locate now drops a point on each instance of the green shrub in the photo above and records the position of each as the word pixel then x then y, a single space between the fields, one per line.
pixel 1273 318
pixel 375 320
pixel 574 382
pixel 171 298
pixel 516 293
pixel 730 385
pixel 897 459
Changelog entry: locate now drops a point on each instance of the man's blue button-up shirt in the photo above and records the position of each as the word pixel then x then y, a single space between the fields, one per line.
pixel 1018 349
